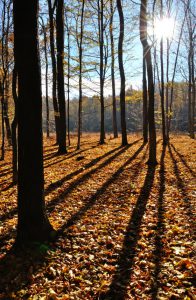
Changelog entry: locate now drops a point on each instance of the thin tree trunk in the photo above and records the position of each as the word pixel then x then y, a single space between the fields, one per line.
pixel 54 71
pixel 101 45
pixel 114 117
pixel 146 48
pixel 80 76
pixel 60 76
pixel 68 81
pixel 46 81
pixel 167 92
pixel 162 94
pixel 162 85
pixel 2 125
pixel 145 103
pixel 122 74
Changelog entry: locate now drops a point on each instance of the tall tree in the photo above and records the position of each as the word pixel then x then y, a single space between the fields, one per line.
pixel 122 74
pixel 5 64
pixel 33 223
pixel 67 26
pixel 80 46
pixel 114 117
pixel 191 71
pixel 162 84
pixel 44 31
pixel 14 127
pixel 54 71
pixel 100 5
pixel 146 48
pixel 145 102
pixel 60 76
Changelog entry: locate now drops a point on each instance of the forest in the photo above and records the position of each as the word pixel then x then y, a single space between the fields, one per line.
pixel 97 149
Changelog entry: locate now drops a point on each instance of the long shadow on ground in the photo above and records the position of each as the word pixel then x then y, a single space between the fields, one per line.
pixel 160 226
pixel 183 160
pixel 189 210
pixel 60 197
pixel 118 287
pixel 78 215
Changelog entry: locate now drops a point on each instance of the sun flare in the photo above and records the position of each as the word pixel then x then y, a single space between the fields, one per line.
pixel 164 28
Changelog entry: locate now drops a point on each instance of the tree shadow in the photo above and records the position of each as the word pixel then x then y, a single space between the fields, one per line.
pixel 183 160
pixel 158 253
pixel 93 199
pixel 9 186
pixel 51 205
pixel 60 197
pixel 182 188
pixel 5 172
pixel 118 287
pixel 18 267
pixel 63 157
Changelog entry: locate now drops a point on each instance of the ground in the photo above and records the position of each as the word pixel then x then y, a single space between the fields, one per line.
pixel 126 230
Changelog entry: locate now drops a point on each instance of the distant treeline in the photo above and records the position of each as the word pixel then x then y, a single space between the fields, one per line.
pixel 91 112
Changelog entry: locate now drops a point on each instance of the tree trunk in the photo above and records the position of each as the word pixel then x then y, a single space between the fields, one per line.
pixel 68 80
pixel 60 76
pixel 146 48
pixel 162 94
pixel 101 45
pixel 54 72
pixel 167 93
pixel 6 116
pixel 33 224
pixel 46 81
pixel 114 118
pixel 122 74
pixel 162 85
pixel 145 103
pixel 14 127
pixel 80 76
pixel 2 125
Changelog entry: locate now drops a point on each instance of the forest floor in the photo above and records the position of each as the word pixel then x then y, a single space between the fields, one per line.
pixel 126 230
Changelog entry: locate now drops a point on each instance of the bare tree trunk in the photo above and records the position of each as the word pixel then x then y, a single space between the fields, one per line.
pixel 114 118
pixel 14 128
pixel 33 224
pixel 167 91
pixel 101 45
pixel 162 86
pixel 146 48
pixel 46 79
pixel 54 71
pixel 145 102
pixel 122 74
pixel 2 123
pixel 80 75
pixel 68 81
pixel 60 76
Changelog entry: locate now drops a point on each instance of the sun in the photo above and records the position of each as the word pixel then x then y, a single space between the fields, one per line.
pixel 164 28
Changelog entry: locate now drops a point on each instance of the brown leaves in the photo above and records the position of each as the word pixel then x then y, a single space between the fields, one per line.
pixel 102 251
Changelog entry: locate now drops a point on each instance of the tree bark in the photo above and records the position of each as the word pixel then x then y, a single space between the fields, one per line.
pixel 33 224
pixel 80 75
pixel 114 117
pixel 145 103
pixel 146 48
pixel 54 71
pixel 60 76
pixel 14 127
pixel 122 74
pixel 101 45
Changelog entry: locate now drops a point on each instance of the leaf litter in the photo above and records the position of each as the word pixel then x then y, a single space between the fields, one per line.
pixel 125 231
